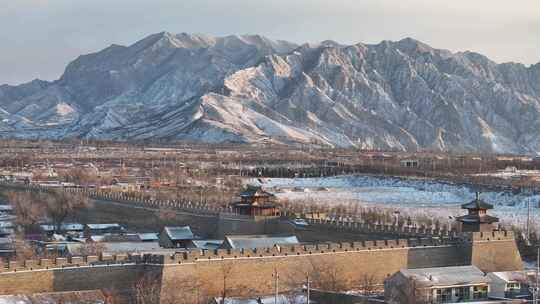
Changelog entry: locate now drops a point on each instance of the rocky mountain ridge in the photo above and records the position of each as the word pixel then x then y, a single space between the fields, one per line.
pixel 402 95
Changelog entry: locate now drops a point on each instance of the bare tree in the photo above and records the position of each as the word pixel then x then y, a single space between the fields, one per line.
pixel 292 281
pixel 27 211
pixel 167 215
pixel 24 250
pixel 59 205
pixel 226 269
pixel 327 275
pixel 91 248
pixel 368 284
pixel 112 296
pixel 147 289
pixel 409 291
pixel 189 291
pixel 80 176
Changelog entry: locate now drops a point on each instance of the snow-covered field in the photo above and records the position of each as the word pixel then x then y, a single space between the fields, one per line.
pixel 512 172
pixel 430 197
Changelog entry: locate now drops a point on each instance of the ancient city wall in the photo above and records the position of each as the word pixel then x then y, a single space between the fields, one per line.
pixel 367 228
pixel 196 274
pixel 250 271
pixel 201 208
pixel 118 272
pixel 494 251
pixel 227 222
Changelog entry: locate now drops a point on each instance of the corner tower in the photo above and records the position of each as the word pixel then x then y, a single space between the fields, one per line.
pixel 477 219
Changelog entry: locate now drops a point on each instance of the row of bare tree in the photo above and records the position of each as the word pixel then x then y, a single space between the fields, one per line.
pixel 56 206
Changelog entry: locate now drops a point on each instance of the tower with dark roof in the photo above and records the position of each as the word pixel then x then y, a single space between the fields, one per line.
pixel 255 201
pixel 477 219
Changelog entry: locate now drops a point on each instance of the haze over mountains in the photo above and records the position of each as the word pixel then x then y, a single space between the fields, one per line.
pixel 401 95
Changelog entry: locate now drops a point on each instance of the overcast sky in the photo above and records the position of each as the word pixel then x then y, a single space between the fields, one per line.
pixel 39 37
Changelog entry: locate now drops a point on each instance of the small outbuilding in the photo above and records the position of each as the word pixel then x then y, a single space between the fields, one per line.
pixel 99 229
pixel 67 228
pixel 206 244
pixel 176 237
pixel 257 241
pixel 511 284
pixel 437 285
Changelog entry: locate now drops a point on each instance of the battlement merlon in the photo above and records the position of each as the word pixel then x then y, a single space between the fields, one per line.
pixel 488 236
pixel 68 262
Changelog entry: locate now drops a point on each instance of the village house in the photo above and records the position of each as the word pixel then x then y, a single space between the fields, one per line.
pixel 99 229
pixel 176 237
pixel 115 238
pixel 66 228
pixel 121 187
pixel 7 247
pixel 22 177
pixel 120 248
pixel 205 244
pixel 437 285
pixel 511 284
pixel 409 163
pixel 257 241
pixel 149 237
pixel 6 218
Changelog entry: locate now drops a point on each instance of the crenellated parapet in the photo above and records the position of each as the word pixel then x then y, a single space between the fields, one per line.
pixel 69 262
pixel 197 255
pixel 501 235
pixel 368 228
pixel 251 268
pixel 193 256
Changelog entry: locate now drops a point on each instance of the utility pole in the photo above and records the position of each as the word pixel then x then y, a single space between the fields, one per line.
pixel 528 217
pixel 397 214
pixel 308 291
pixel 537 269
pixel 534 290
pixel 240 168
pixel 276 285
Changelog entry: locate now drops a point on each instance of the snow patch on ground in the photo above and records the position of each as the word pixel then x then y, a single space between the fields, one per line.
pixel 428 196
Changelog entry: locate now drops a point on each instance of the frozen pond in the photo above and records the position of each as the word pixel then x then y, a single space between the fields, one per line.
pixel 428 196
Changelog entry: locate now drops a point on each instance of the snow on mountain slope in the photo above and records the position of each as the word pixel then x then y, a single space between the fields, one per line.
pixel 402 95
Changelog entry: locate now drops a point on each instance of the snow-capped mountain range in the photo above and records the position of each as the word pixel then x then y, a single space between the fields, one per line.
pixel 402 95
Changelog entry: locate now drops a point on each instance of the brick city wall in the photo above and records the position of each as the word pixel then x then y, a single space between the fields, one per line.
pixel 221 221
pixel 495 251
pixel 250 272
pixel 367 228
pixel 77 273
pixel 227 222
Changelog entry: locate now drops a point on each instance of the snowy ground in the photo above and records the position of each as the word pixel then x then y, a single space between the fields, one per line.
pixel 430 197
pixel 510 173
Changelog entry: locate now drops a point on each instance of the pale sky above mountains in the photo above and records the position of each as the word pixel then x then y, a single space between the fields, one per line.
pixel 39 37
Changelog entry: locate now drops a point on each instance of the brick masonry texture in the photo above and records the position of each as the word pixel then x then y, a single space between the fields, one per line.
pixel 249 272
